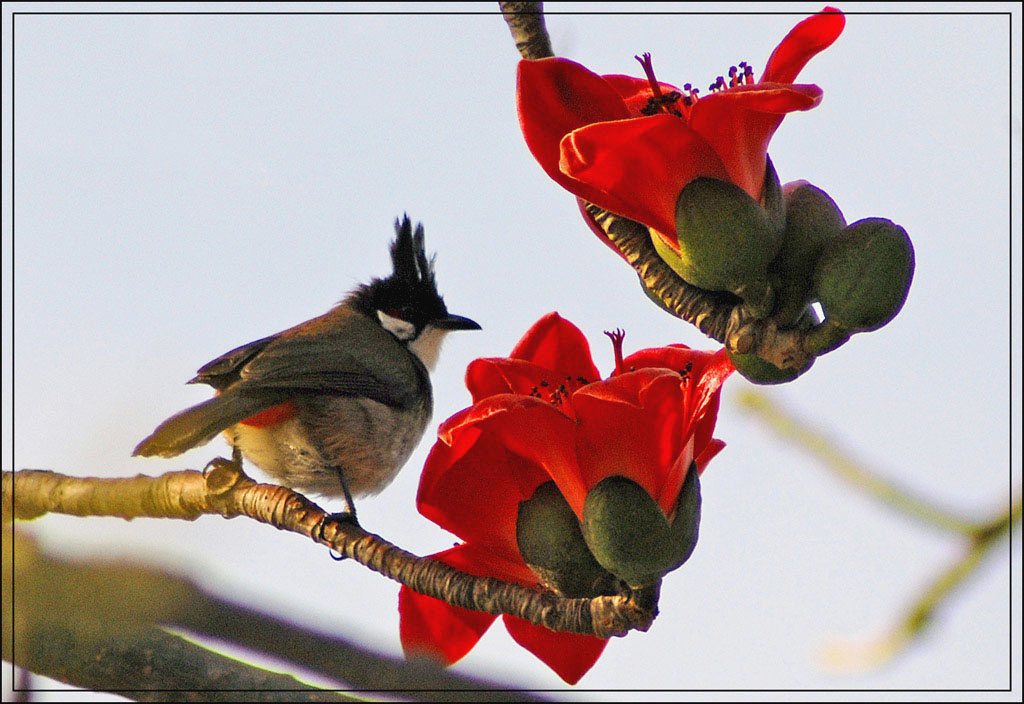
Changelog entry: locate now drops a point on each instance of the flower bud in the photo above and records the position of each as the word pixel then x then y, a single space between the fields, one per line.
pixel 629 534
pixel 812 219
pixel 551 543
pixel 760 371
pixel 864 274
pixel 725 238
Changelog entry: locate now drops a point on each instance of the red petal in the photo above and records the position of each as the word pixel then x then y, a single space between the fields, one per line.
pixel 487 376
pixel 740 122
pixel 555 343
pixel 799 46
pixel 631 425
pixel 490 377
pixel 554 96
pixel 777 98
pixel 570 655
pixel 668 493
pixel 710 376
pixel 435 628
pixel 635 92
pixel 530 428
pixel 702 425
pixel 713 448
pixel 704 378
pixel 627 389
pixel 705 397
pixel 675 358
pixel 638 167
pixel 474 491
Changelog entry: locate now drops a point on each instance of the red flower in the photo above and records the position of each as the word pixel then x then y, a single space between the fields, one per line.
pixel 612 142
pixel 543 413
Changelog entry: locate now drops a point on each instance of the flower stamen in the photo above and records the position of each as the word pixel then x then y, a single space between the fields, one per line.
pixel 748 73
pixel 659 101
pixel 617 336
pixel 740 74
pixel 648 65
pixel 690 99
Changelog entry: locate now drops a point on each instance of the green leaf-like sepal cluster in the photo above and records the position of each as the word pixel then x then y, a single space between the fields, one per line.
pixel 551 543
pixel 781 257
pixel 629 534
pixel 726 239
pixel 864 274
pixel 812 220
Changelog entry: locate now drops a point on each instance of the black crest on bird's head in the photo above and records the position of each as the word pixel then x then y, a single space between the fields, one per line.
pixel 410 292
pixel 409 258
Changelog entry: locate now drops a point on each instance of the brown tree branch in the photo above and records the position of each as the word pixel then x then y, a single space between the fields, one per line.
pixel 223 489
pixel 721 316
pixel 526 22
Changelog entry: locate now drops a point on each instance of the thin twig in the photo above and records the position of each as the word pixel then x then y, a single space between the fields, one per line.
pixel 224 490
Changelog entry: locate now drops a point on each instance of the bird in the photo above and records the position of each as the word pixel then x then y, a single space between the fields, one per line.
pixel 333 406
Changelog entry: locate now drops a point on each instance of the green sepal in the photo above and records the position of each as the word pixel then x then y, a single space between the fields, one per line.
pixel 864 274
pixel 631 537
pixel 551 542
pixel 774 196
pixel 759 371
pixel 812 219
pixel 725 238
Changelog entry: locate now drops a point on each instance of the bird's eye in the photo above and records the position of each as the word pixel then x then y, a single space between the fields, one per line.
pixel 403 313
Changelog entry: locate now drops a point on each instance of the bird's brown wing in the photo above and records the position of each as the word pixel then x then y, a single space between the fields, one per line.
pixel 343 353
pixel 224 371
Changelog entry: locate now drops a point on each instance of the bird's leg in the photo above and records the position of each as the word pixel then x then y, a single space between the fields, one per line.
pixel 236 456
pixel 348 516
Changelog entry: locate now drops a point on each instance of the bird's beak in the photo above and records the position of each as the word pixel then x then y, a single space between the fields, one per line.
pixel 455 322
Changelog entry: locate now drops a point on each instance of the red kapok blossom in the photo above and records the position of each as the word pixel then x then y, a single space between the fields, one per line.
pixel 544 414
pixel 630 145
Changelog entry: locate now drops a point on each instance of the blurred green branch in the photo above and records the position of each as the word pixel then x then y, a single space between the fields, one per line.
pixel 853 472
pixel 981 536
pixel 920 614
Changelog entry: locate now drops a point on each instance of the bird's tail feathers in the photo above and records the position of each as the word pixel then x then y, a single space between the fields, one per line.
pixel 199 424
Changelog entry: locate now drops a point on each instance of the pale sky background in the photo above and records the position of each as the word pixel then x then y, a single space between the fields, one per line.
pixel 186 184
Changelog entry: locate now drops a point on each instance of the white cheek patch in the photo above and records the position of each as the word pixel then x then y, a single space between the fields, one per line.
pixel 402 329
